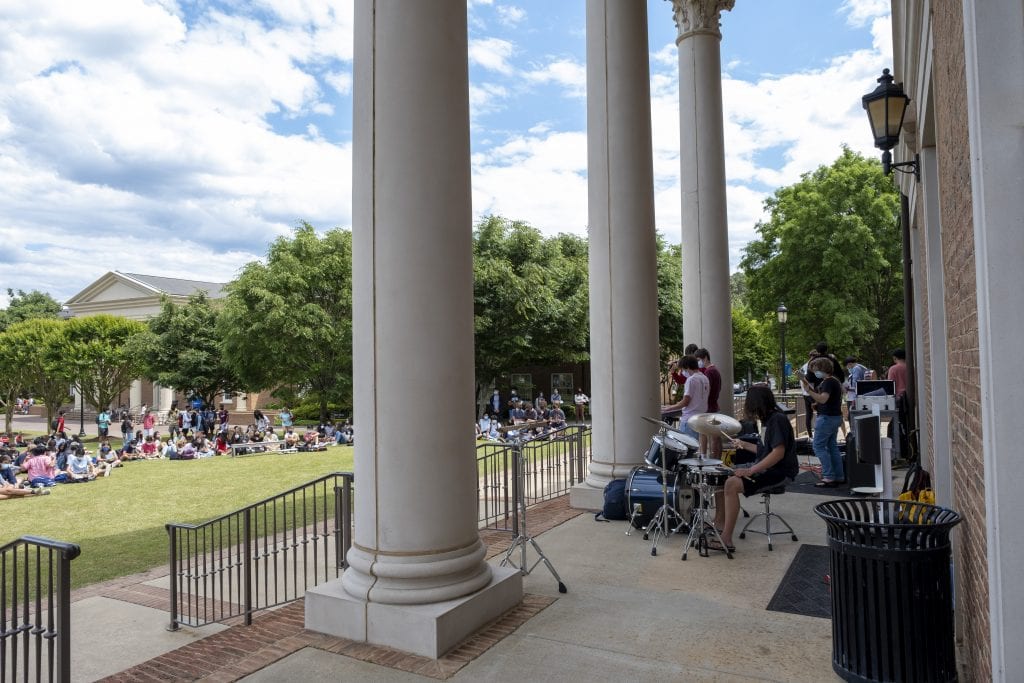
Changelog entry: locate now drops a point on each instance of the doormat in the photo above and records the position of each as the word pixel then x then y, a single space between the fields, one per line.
pixel 805 483
pixel 804 588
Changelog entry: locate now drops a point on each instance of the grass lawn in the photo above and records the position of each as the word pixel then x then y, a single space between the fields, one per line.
pixel 119 520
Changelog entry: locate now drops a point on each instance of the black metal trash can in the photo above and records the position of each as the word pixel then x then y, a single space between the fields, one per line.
pixel 892 592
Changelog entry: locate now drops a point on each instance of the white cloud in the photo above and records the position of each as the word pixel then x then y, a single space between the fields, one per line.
pixel 569 74
pixel 492 53
pixel 131 141
pixel 861 12
pixel 510 15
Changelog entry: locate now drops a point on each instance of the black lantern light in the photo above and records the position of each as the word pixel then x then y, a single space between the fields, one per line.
pixel 886 106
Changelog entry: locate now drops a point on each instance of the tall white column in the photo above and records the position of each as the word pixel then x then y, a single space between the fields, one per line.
pixel 135 394
pixel 417 579
pixel 623 249
pixel 707 314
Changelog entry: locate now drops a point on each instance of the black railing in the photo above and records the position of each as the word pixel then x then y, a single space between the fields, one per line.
pixel 553 463
pixel 35 609
pixel 263 555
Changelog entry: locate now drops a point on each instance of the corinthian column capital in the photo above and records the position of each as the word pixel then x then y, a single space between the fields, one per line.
pixel 699 16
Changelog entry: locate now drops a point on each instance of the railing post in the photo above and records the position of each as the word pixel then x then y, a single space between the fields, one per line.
pixel 173 563
pixel 517 463
pixel 346 519
pixel 247 542
pixel 64 619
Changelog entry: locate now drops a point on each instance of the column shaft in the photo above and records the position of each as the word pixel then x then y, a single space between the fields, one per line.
pixel 623 250
pixel 416 538
pixel 135 394
pixel 707 312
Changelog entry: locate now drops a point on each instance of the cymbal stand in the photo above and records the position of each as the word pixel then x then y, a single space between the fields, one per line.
pixel 661 524
pixel 703 524
pixel 523 539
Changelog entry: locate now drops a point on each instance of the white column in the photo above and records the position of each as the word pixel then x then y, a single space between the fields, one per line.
pixel 994 66
pixel 707 314
pixel 623 249
pixel 416 554
pixel 135 394
pixel 241 401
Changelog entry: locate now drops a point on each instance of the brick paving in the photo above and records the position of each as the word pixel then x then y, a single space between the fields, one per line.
pixel 241 650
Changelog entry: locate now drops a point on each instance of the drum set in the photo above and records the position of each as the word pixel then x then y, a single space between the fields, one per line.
pixel 674 491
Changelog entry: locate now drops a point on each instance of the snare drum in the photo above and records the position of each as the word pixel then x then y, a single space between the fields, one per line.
pixel 716 476
pixel 643 487
pixel 671 451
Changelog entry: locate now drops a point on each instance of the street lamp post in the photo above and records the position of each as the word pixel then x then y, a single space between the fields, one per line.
pixel 783 314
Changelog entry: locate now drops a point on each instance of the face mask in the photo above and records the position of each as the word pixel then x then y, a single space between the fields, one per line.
pixel 700 364
pixel 686 373
pixel 819 374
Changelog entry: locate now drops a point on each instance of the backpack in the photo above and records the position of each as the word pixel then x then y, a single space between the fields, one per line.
pixel 614 501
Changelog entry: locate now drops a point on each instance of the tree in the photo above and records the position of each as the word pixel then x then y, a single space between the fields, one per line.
pixel 670 299
pixel 33 349
pixel 34 304
pixel 101 352
pixel 288 322
pixel 530 299
pixel 184 350
pixel 832 251
pixel 751 353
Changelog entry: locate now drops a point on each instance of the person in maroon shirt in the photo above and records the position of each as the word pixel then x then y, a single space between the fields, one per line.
pixel 715 380
pixel 898 370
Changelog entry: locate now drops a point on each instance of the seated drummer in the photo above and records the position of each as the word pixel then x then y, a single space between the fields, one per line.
pixel 776 461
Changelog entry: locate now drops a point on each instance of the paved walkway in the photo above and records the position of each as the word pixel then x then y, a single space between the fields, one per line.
pixel 627 615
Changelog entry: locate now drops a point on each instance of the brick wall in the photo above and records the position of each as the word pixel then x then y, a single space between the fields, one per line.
pixel 962 333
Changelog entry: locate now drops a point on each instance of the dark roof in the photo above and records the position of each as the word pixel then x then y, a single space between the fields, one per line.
pixel 179 287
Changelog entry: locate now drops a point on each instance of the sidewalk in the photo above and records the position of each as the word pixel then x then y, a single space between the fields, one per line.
pixel 627 615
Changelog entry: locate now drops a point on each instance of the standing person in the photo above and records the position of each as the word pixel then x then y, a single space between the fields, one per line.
pixel 556 398
pixel 828 397
pixel 286 417
pixel 60 422
pixel 148 422
pixel 494 403
pixel 898 370
pixel 185 421
pixel 695 395
pixel 173 426
pixel 808 401
pixel 222 418
pixel 103 422
pixel 855 372
pixel 710 444
pixel 581 401
pixel 126 428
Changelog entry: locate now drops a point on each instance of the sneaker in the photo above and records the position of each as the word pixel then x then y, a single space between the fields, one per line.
pixel 41 492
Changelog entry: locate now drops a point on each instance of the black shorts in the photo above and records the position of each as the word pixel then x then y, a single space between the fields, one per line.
pixel 763 480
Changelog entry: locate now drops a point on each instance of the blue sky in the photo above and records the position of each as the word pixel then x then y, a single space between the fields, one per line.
pixel 180 137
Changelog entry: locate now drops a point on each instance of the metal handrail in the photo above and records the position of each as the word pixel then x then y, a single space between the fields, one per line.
pixel 262 555
pixel 43 586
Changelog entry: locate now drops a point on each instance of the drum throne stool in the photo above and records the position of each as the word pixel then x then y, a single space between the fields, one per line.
pixel 766 500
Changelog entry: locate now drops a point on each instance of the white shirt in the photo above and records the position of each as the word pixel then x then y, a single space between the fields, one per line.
pixel 698 388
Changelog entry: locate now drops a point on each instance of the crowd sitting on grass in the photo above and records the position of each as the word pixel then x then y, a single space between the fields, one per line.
pixel 489 427
pixel 34 466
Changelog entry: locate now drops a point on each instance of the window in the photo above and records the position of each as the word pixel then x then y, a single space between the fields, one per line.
pixel 523 384
pixel 563 383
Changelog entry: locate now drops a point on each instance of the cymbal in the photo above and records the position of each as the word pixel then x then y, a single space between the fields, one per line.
pixel 657 422
pixel 714 424
pixel 700 462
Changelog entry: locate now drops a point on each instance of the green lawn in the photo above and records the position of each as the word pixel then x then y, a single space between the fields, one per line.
pixel 119 520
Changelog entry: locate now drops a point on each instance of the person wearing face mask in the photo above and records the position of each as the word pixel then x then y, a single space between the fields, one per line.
pixel 695 395
pixel 710 444
pixel 828 397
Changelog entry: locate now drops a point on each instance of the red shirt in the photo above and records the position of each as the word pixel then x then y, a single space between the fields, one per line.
pixel 715 380
pixel 898 374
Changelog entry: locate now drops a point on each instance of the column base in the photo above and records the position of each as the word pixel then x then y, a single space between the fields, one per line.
pixel 427 630
pixel 583 496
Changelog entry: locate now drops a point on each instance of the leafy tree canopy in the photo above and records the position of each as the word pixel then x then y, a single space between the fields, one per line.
pixel 831 250
pixel 25 306
pixel 288 322
pixel 33 349
pixel 184 350
pixel 530 298
pixel 101 353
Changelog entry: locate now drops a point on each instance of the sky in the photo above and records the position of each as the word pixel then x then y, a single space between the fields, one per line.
pixel 181 137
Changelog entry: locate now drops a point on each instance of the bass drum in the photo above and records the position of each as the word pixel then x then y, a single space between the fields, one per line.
pixel 643 488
